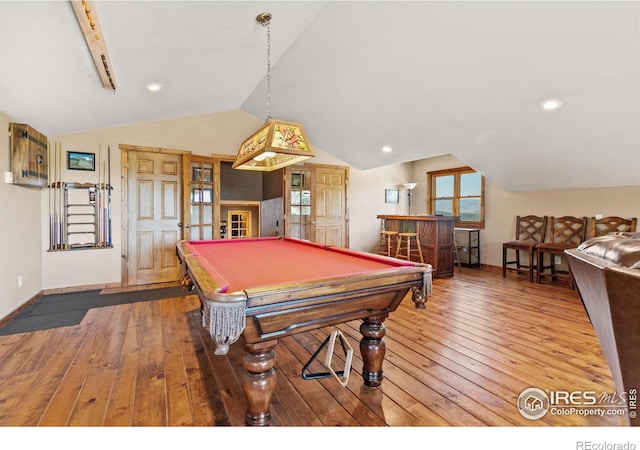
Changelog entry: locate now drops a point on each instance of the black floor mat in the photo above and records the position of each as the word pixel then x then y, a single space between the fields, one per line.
pixel 62 310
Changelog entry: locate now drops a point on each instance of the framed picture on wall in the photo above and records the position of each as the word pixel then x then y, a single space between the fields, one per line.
pixel 81 161
pixel 391 196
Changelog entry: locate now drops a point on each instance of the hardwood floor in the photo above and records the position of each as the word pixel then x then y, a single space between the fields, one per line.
pixel 462 361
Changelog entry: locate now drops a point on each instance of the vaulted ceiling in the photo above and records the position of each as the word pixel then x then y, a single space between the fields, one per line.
pixel 424 77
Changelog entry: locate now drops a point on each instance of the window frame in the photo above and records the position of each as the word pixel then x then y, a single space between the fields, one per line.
pixel 456 173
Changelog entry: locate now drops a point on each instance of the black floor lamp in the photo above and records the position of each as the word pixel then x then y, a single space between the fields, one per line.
pixel 410 187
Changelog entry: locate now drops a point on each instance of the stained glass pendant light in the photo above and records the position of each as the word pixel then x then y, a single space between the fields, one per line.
pixel 277 143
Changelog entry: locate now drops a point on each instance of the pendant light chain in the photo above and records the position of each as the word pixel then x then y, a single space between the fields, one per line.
pixel 277 143
pixel 268 70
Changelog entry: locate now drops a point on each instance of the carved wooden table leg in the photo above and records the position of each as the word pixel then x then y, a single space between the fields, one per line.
pixel 419 293
pixel 372 349
pixel 259 381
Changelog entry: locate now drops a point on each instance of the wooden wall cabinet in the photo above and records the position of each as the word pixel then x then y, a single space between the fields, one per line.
pixel 29 156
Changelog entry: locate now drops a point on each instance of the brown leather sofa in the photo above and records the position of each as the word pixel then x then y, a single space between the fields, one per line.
pixel 606 271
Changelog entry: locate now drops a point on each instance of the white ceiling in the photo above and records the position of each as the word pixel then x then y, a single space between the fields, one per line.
pixel 424 77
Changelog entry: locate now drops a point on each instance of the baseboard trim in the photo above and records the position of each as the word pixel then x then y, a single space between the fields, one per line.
pixel 22 307
pixel 489 268
pixel 88 287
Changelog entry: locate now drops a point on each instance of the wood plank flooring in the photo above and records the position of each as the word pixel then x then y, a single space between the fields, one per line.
pixel 462 361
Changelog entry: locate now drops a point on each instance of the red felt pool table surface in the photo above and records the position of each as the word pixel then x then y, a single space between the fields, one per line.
pixel 250 263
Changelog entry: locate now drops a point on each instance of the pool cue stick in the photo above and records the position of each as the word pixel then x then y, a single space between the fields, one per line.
pixel 49 179
pixel 109 195
pixel 52 197
pixel 102 178
pixel 103 203
pixel 54 163
pixel 61 200
pixel 103 212
pixel 56 214
pixel 99 206
pixel 61 209
pixel 96 204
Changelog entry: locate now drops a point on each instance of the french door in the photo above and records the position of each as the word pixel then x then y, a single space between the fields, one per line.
pixel 203 198
pixel 316 204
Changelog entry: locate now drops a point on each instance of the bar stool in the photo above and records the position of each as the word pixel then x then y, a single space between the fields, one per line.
pixel 404 250
pixel 384 245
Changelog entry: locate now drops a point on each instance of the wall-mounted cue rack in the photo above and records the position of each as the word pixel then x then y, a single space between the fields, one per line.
pixel 79 213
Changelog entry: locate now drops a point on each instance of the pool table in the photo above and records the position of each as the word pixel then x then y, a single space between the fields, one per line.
pixel 267 288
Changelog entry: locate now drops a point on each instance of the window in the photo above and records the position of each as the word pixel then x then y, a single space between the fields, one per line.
pixel 457 192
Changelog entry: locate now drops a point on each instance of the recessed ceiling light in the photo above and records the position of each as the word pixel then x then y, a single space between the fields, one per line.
pixel 154 87
pixel 387 149
pixel 551 104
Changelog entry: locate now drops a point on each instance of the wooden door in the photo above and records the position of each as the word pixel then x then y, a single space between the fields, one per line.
pixel 154 210
pixel 330 206
pixel 316 204
pixel 239 224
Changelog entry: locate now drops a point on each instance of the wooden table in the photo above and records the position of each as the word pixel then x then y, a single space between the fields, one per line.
pixel 436 238
pixel 278 286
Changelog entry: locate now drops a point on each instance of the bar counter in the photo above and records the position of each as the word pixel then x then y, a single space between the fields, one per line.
pixel 436 234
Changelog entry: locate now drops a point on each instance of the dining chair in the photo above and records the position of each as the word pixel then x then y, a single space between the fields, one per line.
pixel 611 224
pixel 530 231
pixel 565 232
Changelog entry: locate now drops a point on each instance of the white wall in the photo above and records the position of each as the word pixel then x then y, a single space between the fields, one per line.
pixel 20 241
pixel 367 200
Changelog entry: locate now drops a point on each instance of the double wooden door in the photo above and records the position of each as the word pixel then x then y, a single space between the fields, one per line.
pixel 315 203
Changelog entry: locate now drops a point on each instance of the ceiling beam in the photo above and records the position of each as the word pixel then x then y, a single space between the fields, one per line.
pixel 90 26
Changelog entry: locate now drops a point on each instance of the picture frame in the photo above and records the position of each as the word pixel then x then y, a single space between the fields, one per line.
pixel 81 161
pixel 391 196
